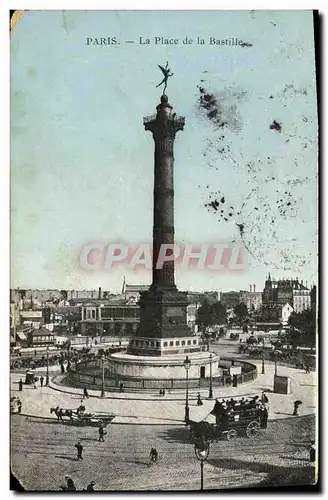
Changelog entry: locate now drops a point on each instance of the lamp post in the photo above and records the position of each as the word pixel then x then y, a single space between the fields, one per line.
pixel 68 355
pixel 202 454
pixel 210 391
pixel 47 375
pixel 263 369
pixel 102 395
pixel 187 364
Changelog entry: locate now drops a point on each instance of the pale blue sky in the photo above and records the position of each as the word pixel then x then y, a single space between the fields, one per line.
pixel 82 164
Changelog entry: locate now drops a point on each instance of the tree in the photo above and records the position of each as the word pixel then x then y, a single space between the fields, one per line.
pixel 219 313
pixel 204 316
pixel 303 328
pixel 241 312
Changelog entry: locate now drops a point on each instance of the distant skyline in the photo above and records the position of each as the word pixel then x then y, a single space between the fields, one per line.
pixel 82 163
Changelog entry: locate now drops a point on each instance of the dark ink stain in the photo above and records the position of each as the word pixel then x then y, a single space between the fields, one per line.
pixel 275 126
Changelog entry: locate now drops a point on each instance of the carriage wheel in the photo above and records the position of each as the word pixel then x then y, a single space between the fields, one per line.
pixel 252 429
pixel 232 434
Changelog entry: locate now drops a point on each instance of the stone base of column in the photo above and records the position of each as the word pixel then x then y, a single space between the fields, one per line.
pixel 163 313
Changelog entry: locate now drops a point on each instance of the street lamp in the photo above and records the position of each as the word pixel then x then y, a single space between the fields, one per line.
pixel 275 353
pixel 210 391
pixel 202 454
pixel 47 375
pixel 263 369
pixel 102 395
pixel 68 356
pixel 187 364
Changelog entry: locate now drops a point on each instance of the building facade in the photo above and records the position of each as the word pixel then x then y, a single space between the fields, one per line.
pixel 278 293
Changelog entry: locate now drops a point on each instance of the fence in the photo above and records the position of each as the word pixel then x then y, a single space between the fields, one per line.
pixel 80 376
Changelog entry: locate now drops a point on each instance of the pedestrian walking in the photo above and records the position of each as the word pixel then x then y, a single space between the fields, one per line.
pixel 153 455
pixel 90 486
pixel 307 369
pixel 121 387
pixel 163 392
pixel 296 407
pixel 264 414
pixel 19 406
pixel 102 432
pixel 79 448
pixel 20 385
pixel 312 452
pixel 85 393
pixel 41 380
pixel 199 401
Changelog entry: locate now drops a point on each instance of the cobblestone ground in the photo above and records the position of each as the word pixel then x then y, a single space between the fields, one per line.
pixel 42 452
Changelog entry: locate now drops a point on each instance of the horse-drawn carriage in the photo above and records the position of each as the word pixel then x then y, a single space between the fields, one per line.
pixel 92 419
pixel 82 418
pixel 30 377
pixel 232 418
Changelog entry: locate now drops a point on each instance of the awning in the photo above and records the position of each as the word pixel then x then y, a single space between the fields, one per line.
pixel 21 335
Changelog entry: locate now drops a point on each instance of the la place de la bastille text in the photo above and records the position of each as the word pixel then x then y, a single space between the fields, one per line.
pixel 161 40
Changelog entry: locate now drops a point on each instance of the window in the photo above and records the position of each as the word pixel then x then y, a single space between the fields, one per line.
pixel 189 342
pixel 183 342
pixel 171 344
pixel 158 344
pixel 177 343
pixel 194 342
pixel 93 314
pixel 165 344
pixel 88 314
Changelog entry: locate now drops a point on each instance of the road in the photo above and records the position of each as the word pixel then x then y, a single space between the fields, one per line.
pixel 42 452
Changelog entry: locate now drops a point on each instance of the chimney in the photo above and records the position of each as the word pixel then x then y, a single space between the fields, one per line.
pixel 99 293
pixel 254 288
pixel 250 288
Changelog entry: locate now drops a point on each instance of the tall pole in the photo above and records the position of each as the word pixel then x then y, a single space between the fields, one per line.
pixel 210 392
pixel 68 355
pixel 187 399
pixel 102 395
pixel 47 375
pixel 202 475
pixel 263 369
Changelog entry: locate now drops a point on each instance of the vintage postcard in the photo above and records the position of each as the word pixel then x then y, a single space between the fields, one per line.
pixel 163 296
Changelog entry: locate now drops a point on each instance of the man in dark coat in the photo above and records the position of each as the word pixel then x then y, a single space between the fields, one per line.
pixel 90 486
pixel 85 393
pixel 79 448
pixel 20 385
pixel 70 484
pixel 41 380
pixel 101 433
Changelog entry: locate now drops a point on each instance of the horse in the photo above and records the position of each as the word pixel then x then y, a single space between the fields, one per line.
pixel 60 413
pixel 202 430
